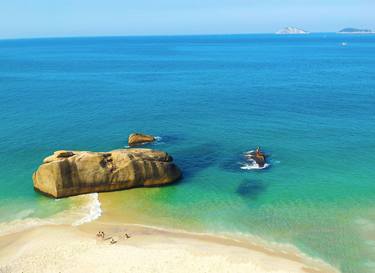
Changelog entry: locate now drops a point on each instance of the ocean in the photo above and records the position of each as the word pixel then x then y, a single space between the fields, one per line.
pixel 308 101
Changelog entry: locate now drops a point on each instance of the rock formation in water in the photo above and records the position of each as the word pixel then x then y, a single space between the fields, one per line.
pixel 137 139
pixel 292 30
pixel 351 30
pixel 258 156
pixel 67 173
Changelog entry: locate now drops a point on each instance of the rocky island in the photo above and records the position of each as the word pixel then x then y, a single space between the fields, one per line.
pixel 67 173
pixel 292 30
pixel 350 30
pixel 258 157
pixel 139 139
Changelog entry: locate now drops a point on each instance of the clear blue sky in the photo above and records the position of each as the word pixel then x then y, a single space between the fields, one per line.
pixel 40 18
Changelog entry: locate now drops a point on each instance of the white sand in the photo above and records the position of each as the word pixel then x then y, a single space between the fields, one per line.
pixel 70 249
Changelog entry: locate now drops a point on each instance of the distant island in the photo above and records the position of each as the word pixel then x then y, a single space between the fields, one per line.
pixel 350 30
pixel 292 30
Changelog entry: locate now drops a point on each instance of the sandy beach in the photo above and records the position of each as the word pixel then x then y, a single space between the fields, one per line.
pixel 63 248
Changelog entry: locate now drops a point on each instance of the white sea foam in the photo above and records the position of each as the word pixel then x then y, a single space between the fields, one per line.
pixel 87 209
pixel 252 165
pixel 94 210
pixel 158 140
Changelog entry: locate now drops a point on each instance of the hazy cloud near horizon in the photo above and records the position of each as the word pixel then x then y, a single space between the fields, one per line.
pixel 35 18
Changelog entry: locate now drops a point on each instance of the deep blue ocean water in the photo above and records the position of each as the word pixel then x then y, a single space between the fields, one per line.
pixel 308 101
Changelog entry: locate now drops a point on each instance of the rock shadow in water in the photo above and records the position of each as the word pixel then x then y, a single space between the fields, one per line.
pixel 251 188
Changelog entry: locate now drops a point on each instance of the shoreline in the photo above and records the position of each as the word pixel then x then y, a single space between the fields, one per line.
pixel 50 248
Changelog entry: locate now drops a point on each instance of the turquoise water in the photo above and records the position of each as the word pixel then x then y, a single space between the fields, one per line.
pixel 307 100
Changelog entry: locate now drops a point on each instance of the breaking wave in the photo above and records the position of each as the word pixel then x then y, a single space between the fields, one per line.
pixel 85 208
pixel 94 210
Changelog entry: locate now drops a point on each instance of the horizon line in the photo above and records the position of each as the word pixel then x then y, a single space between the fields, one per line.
pixel 162 35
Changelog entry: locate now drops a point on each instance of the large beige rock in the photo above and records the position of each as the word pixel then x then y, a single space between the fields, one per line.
pixel 67 173
pixel 137 139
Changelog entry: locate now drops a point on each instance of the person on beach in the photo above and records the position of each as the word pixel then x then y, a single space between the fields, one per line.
pixel 100 234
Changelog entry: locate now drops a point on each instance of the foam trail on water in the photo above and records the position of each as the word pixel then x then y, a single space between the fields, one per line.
pixel 252 165
pixel 158 140
pixel 94 210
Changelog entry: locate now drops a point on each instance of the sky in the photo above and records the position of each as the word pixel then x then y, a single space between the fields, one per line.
pixel 54 18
